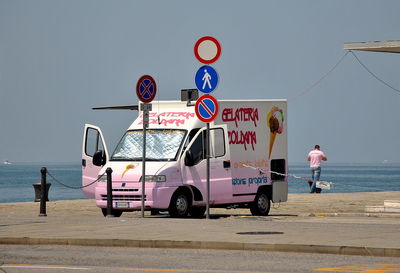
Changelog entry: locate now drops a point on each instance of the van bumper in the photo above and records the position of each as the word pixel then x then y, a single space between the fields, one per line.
pixel 131 198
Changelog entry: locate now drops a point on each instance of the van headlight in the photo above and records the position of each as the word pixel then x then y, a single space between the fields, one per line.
pixel 154 178
pixel 102 178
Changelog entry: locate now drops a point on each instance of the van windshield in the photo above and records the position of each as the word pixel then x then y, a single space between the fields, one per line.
pixel 161 145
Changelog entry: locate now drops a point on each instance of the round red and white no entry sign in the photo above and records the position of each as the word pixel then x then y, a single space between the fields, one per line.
pixel 207 50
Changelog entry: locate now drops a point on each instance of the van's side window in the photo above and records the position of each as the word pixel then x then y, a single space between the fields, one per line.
pixel 197 148
pixel 217 145
pixel 94 142
pixel 192 133
pixel 217 142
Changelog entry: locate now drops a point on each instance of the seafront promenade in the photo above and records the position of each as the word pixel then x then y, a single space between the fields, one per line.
pixel 316 223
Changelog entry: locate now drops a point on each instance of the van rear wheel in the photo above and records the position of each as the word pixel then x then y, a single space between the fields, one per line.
pixel 261 205
pixel 180 205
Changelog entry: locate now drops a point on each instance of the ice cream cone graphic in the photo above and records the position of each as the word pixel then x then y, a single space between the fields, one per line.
pixel 128 167
pixel 275 124
pixel 272 137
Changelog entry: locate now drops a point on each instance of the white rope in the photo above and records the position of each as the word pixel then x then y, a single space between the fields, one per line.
pixel 324 183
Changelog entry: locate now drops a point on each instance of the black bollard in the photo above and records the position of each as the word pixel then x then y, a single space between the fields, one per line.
pixel 38 191
pixel 109 193
pixel 43 197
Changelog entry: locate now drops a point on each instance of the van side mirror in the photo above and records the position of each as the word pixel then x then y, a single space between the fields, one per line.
pixel 189 161
pixel 99 158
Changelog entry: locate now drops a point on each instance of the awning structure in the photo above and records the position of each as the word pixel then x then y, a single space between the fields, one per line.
pixel 377 46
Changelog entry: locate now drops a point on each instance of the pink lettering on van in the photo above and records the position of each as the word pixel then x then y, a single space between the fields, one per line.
pixel 242 115
pixel 168 118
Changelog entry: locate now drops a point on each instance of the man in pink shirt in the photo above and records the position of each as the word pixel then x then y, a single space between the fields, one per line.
pixel 315 157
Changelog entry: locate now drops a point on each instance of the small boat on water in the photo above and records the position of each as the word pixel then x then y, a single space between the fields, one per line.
pixel 7 162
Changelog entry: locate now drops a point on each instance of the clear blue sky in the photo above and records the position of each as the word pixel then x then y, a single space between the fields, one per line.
pixel 60 58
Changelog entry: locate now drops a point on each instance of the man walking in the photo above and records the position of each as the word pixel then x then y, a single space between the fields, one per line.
pixel 315 157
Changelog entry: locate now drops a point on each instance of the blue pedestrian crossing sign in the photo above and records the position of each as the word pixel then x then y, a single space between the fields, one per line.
pixel 206 108
pixel 206 79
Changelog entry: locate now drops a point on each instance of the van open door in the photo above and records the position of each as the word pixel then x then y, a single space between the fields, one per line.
pixel 93 146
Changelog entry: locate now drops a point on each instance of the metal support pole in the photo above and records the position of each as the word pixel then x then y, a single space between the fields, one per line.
pixel 208 169
pixel 146 107
pixel 143 167
pixel 43 197
pixel 109 193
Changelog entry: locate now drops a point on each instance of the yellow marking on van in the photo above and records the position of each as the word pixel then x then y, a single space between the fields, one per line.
pixel 128 167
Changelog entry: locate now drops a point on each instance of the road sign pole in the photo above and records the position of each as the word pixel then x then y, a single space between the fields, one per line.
pixel 145 108
pixel 143 168
pixel 207 50
pixel 146 89
pixel 208 169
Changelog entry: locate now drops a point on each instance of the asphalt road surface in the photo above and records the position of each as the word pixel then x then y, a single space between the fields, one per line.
pixel 60 259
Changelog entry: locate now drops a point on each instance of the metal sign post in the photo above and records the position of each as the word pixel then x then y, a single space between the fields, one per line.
pixel 145 107
pixel 146 89
pixel 207 50
pixel 143 166
pixel 208 169
pixel 206 109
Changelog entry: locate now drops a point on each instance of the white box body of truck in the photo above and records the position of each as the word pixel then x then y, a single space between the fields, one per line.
pixel 248 152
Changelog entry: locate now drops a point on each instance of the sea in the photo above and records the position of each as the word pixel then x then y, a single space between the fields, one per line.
pixel 17 179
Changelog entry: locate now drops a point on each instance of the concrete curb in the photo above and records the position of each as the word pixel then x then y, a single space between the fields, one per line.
pixel 325 249
pixel 354 214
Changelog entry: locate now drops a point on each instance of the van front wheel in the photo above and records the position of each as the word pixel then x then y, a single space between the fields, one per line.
pixel 180 205
pixel 197 212
pixel 115 212
pixel 261 205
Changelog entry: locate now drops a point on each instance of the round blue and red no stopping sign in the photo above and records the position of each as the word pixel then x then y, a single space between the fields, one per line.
pixel 146 88
pixel 207 108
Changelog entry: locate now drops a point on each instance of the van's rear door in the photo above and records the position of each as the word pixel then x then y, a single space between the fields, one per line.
pixel 93 141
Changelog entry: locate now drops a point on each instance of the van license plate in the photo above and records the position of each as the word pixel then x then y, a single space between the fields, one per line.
pixel 122 205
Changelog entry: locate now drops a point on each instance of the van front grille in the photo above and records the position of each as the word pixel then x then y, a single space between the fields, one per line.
pixel 121 197
pixel 125 190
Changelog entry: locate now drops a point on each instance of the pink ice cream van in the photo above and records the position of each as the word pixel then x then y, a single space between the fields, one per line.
pixel 248 154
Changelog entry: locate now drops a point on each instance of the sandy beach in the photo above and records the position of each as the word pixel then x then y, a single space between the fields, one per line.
pixel 298 204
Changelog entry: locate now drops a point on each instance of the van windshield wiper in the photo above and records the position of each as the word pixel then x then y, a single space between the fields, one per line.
pixel 135 159
pixel 126 159
pixel 138 159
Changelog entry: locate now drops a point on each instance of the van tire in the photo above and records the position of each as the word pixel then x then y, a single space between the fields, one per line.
pixel 197 212
pixel 154 212
pixel 261 204
pixel 115 212
pixel 180 205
